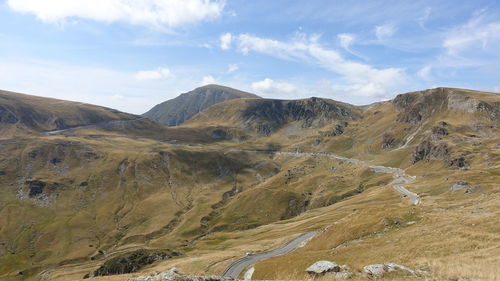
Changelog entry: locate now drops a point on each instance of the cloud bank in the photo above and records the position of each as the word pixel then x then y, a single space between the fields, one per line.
pixel 152 13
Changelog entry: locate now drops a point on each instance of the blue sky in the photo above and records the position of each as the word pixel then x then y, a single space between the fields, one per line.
pixel 131 54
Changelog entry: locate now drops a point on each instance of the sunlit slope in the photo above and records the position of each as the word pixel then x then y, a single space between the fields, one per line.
pixel 19 112
pixel 214 188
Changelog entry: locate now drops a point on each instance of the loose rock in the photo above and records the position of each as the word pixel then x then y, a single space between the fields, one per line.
pixel 379 270
pixel 458 185
pixel 321 267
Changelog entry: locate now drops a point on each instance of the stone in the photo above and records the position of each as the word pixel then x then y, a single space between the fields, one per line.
pixel 390 267
pixel 472 189
pixel 459 185
pixel 344 273
pixel 374 270
pixel 439 131
pixel 322 267
pixel 379 270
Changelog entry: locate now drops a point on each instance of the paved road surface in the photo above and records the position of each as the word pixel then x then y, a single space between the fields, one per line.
pixel 234 269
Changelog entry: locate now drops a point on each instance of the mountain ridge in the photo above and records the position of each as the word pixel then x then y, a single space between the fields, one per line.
pixel 246 175
pixel 176 111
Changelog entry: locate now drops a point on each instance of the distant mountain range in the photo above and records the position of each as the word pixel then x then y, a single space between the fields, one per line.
pixel 176 111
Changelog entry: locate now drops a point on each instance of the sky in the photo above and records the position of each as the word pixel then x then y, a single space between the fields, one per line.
pixel 133 54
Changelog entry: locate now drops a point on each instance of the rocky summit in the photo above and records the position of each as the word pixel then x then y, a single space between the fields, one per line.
pixel 180 109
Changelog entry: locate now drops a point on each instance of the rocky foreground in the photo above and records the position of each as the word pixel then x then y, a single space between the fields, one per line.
pixel 318 269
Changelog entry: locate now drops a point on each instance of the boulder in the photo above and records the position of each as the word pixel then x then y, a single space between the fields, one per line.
pixel 374 270
pixel 335 271
pixel 459 185
pixel 379 270
pixel 322 267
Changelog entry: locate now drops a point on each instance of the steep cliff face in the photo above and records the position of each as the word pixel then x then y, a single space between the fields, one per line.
pixel 176 111
pixel 417 106
pixel 265 116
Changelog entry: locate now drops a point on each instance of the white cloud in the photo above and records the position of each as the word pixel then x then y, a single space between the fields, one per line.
pixel 207 80
pixel 477 34
pixel 225 41
pixel 346 40
pixel 425 16
pixel 353 75
pixel 159 73
pixel 232 68
pixel 270 86
pixel 425 72
pixel 385 31
pixel 101 86
pixel 153 13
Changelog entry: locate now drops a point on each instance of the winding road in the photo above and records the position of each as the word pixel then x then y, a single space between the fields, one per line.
pixel 400 179
pixel 234 269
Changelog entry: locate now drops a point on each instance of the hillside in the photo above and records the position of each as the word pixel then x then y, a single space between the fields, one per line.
pixel 178 110
pixel 19 112
pixel 247 175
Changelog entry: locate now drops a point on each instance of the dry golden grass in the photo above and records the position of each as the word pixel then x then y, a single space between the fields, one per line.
pixel 454 234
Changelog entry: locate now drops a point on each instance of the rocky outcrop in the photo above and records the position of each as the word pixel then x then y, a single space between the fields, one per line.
pixel 458 185
pixel 6 116
pixel 388 141
pixel 379 270
pixel 472 105
pixel 131 262
pixel 459 162
pixel 414 107
pixel 178 110
pixel 335 271
pixel 337 130
pixel 321 267
pixel 463 185
pixel 439 131
pixel 428 151
pixel 266 116
pixel 36 187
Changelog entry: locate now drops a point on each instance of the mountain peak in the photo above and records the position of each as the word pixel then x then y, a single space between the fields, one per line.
pixel 178 110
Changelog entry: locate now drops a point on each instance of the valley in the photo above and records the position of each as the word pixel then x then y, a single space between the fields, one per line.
pixel 412 181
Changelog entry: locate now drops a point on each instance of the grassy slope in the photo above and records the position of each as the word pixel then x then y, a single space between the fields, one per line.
pixel 44 114
pixel 134 207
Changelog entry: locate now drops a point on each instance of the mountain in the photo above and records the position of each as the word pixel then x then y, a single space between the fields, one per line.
pixel 265 116
pixel 176 111
pixel 31 113
pixel 122 193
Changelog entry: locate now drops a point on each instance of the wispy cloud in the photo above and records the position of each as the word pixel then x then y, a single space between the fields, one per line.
pixel 425 72
pixel 357 78
pixel 207 80
pixel 225 41
pixel 476 34
pixel 156 74
pixel 384 31
pixel 232 68
pixel 160 14
pixel 269 86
